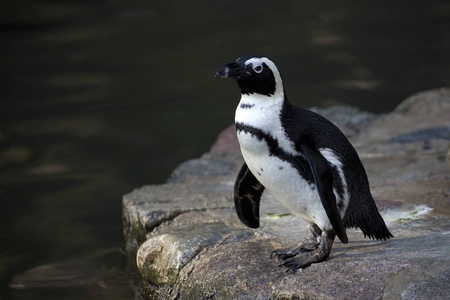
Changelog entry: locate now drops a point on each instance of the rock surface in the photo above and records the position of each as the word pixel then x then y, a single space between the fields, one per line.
pixel 189 244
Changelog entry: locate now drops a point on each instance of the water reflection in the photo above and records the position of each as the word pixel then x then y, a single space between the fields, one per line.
pixel 100 97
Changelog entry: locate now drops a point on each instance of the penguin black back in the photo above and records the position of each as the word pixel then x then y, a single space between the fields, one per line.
pixel 362 212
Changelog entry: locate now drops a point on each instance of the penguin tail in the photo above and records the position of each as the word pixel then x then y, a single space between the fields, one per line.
pixel 365 216
pixel 376 228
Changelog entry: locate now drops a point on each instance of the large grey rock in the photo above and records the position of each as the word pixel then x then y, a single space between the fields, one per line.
pixel 188 243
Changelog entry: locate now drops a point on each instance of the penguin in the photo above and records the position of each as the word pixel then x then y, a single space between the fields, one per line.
pixel 303 160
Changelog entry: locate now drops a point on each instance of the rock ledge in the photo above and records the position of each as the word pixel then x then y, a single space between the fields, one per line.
pixel 188 243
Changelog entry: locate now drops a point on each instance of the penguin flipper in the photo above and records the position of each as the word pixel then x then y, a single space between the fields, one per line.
pixel 323 176
pixel 247 195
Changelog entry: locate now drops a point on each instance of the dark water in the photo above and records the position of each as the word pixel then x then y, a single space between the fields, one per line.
pixel 100 97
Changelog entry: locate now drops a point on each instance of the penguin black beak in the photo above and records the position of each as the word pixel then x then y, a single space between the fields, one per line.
pixel 222 72
pixel 230 70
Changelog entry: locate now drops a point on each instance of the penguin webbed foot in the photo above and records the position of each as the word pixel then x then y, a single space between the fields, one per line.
pixel 310 243
pixel 304 247
pixel 304 260
pixel 304 256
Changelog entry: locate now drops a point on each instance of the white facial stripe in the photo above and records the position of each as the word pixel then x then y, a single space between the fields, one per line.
pixel 257 60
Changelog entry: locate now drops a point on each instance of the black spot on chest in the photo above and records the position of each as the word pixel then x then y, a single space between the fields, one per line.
pixel 246 105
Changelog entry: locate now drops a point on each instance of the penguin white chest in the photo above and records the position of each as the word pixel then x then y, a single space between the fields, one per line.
pixel 264 146
pixel 282 179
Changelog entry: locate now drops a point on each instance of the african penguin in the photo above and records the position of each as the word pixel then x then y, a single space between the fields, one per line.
pixel 303 160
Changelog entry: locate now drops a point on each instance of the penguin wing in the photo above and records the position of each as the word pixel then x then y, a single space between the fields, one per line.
pixel 247 194
pixel 323 176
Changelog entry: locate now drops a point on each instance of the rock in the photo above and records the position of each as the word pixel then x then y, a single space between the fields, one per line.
pixel 422 135
pixel 161 258
pixel 210 167
pixel 226 141
pixel 447 156
pixel 189 243
pixel 148 209
pixel 348 118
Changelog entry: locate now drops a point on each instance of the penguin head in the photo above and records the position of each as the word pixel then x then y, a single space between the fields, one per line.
pixel 255 74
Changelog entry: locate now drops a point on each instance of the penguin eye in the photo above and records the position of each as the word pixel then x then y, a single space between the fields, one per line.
pixel 258 68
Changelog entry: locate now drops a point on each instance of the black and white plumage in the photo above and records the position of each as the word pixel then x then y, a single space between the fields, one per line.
pixel 301 158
